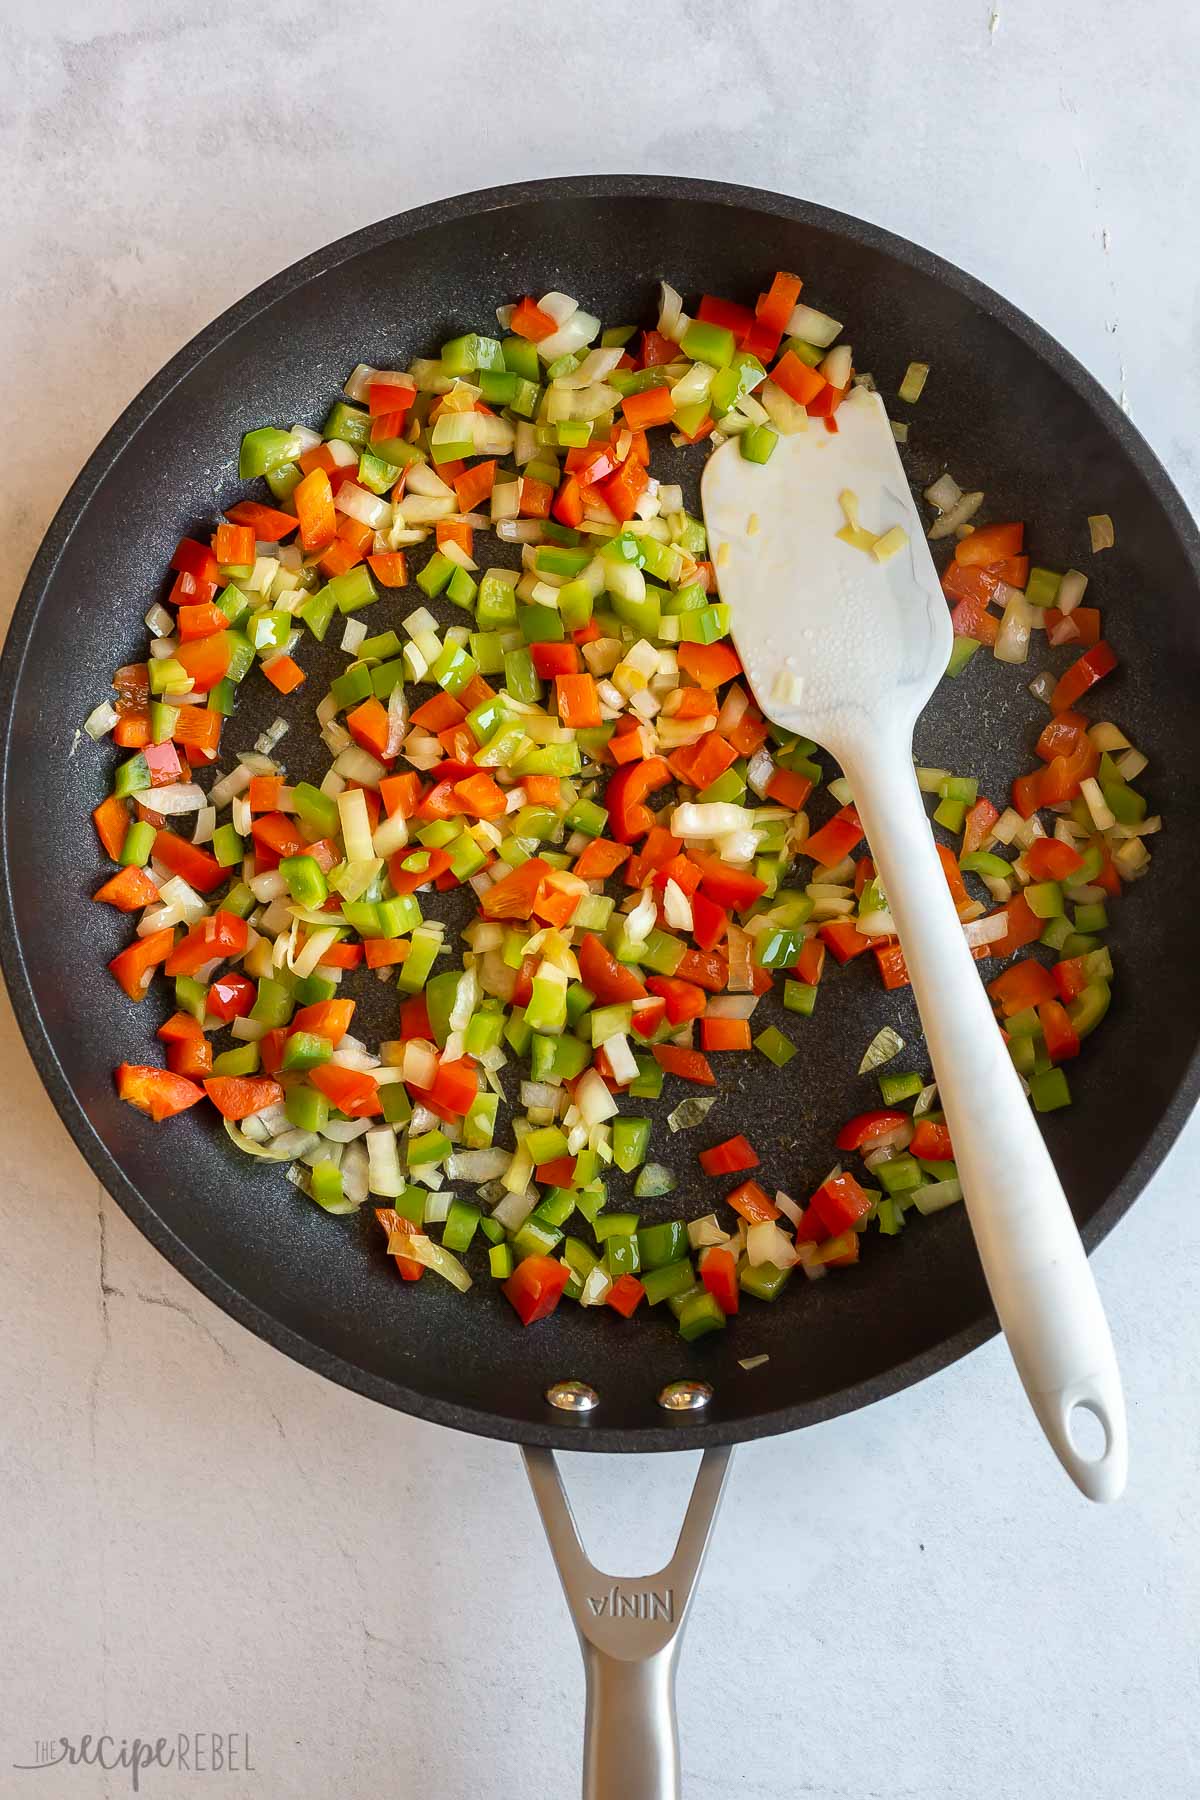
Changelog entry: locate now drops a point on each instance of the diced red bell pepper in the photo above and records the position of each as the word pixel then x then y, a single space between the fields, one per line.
pixel 733 889
pixel 219 935
pixel 893 970
pixel 1023 985
pixel 709 665
pixel 839 1203
pixel 683 1000
pixel 710 922
pixel 407 881
pixel 240 1096
pixel 198 868
pixel 231 996
pixel 727 1158
pixel 329 1019
pixel 535 1287
pixel 128 891
pixel 811 961
pixel 612 982
pixel 718 1272
pixel 268 524
pixel 1047 859
pixel 1024 927
pixel 158 1092
pixel 513 896
pixel 1062 1040
pixel 648 1015
pixel 990 544
pixel 705 968
pixel 797 380
pixel 529 321
pixel 111 819
pixel 134 966
pixel 689 1065
pixel 842 938
pixel 835 840
pixel 629 817
pixel 622 491
pixel 353 1091
pixel 931 1142
pixel 978 824
pixel 862 1131
pixel 725 1034
pixel 753 1203
pixel 625 1295
pixel 1070 977
pixel 1092 667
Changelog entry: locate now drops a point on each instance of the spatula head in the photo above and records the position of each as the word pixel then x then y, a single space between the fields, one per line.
pixel 833 640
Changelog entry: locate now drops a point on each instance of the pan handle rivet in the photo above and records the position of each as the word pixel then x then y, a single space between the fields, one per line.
pixel 685 1396
pixel 573 1396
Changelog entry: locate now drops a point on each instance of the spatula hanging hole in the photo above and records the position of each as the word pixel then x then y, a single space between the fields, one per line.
pixel 1088 1432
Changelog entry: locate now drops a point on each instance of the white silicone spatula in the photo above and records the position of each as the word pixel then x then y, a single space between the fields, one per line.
pixel 847 650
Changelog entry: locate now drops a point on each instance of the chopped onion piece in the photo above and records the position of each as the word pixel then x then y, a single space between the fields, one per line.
pixel 1101 528
pixel 753 1362
pixel 709 820
pixel 1107 736
pixel 959 513
pixel 178 797
pixel 815 328
pixel 936 1195
pixel 705 1232
pixel 1102 815
pixel 688 1113
pixel 765 1243
pixel 100 721
pixel 886 1044
pixel 596 1287
pixel 944 493
pixel 1012 641
pixel 1071 590
pixel 788 1207
pixel 986 930
pixel 913 385
pixel 422 1249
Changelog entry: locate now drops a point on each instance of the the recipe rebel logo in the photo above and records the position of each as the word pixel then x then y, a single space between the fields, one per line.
pixel 186 1752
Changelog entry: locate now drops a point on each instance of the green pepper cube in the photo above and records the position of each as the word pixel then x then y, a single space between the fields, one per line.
pixel 672 1278
pixel 711 344
pixel 430 1147
pixel 1049 1091
pixel 453 670
pixel 799 997
pixel 305 881
pixel 757 443
pixel 462 1221
pixel 662 1245
pixel 306 1109
pixel 699 1315
pixel 326 1186
pixel 775 1047
pixel 305 1050
pixel 630 1140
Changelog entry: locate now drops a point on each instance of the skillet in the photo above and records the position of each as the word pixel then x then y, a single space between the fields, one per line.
pixel 1005 408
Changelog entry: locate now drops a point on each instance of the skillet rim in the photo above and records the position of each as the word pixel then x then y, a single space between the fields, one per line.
pixel 556 1432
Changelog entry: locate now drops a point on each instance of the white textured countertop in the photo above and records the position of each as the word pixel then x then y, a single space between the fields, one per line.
pixel 198 1535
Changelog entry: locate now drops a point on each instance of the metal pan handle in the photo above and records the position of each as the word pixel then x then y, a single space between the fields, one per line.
pixel 629 1632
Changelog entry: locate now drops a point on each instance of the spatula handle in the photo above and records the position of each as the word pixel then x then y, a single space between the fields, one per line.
pixel 1036 1267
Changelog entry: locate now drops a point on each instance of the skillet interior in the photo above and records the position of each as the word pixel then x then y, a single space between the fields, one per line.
pixel 1006 408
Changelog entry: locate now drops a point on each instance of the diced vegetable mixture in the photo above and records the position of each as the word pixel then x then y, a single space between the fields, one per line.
pixel 566 732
